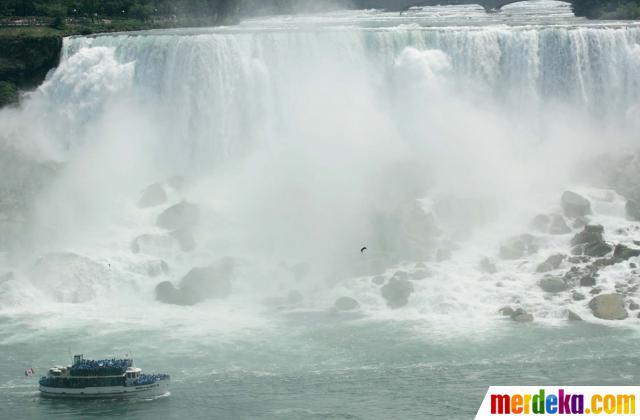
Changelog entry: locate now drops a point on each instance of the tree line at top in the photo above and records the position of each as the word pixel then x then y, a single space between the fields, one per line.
pixel 219 10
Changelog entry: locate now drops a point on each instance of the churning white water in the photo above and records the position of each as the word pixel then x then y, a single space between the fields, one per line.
pixel 298 137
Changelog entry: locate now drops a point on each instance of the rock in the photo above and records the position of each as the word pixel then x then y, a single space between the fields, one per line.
pixel 419 275
pixel 595 291
pixel 624 252
pixel 580 222
pixel 506 311
pixel 590 242
pixel 396 292
pixel 572 316
pixel 519 247
pixel 201 283
pixel 541 223
pixel 598 249
pixel 608 306
pixel 575 205
pixel 632 208
pixel 552 284
pixel 551 263
pixel 157 268
pixel 153 195
pixel 604 262
pixel 578 259
pixel 166 292
pixel 577 296
pixel 590 234
pixel 153 244
pixel 487 266
pixel 420 265
pixel 179 216
pixel 346 304
pixel 443 255
pixel 520 315
pixel 553 224
pixel 633 306
pixel 207 282
pixel 378 280
pixel 633 265
pixel 587 281
pixel 185 239
pixel 401 275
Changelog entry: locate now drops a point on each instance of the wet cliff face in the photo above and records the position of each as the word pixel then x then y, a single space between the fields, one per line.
pixel 25 61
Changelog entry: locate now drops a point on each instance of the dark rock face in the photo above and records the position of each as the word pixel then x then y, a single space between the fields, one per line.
pixel 201 283
pixel 624 252
pixel 179 216
pixel 552 284
pixel 577 296
pixel 519 247
pixel 590 242
pixel 590 234
pixel 26 60
pixel 587 281
pixel 396 292
pixel 346 304
pixel 153 195
pixel 553 224
pixel 575 205
pixel 609 306
pixel 551 263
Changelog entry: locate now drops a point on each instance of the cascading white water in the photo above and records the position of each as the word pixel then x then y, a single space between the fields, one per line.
pixel 294 135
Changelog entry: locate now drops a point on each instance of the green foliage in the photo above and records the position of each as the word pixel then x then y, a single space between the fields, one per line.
pixel 8 93
pixel 607 9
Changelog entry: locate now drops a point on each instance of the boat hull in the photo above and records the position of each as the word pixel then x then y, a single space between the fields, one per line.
pixel 155 389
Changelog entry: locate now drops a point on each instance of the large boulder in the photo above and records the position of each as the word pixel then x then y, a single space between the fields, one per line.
pixel 575 205
pixel 552 284
pixel 396 292
pixel 623 252
pixel 519 247
pixel 553 224
pixel 345 303
pixel 590 242
pixel 520 315
pixel 185 239
pixel 201 283
pixel 609 306
pixel 153 195
pixel 179 216
pixel 590 234
pixel 551 263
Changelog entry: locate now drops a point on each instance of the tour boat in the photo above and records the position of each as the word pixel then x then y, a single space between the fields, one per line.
pixel 106 378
